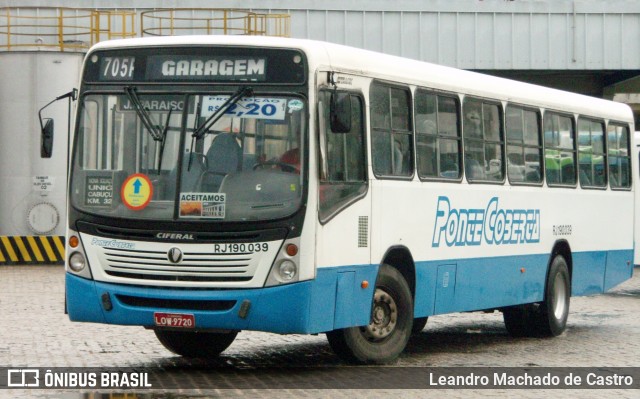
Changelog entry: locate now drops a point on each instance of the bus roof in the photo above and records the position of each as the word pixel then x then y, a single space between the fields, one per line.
pixel 404 70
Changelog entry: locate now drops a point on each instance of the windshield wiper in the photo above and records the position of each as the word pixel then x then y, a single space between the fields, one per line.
pixel 164 139
pixel 157 132
pixel 211 120
pixel 193 136
pixel 143 114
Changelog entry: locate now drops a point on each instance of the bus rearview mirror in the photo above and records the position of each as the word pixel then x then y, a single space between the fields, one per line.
pixel 340 112
pixel 46 143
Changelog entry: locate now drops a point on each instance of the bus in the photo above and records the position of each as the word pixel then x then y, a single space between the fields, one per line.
pixel 220 184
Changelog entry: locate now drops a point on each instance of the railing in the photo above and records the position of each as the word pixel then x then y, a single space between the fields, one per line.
pixel 71 29
pixel 213 21
pixel 271 24
pixel 119 25
pixel 61 29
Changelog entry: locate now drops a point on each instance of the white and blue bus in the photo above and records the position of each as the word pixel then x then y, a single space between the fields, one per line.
pixel 221 184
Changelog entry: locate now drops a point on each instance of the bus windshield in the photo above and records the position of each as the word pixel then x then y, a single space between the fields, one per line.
pixel 197 156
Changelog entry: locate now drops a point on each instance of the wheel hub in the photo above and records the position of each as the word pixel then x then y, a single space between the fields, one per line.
pixel 384 316
pixel 560 295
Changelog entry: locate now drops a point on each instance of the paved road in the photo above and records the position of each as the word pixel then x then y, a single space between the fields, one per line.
pixel 603 331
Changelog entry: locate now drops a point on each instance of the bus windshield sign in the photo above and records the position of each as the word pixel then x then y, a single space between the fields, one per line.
pixel 211 68
pixel 248 107
pixel 192 65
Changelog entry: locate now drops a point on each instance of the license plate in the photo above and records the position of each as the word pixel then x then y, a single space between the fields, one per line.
pixel 175 320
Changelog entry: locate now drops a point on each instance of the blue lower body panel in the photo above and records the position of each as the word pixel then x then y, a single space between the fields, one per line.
pixel 459 285
pixel 306 307
pixel 336 297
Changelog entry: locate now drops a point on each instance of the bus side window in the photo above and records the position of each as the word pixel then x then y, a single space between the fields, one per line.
pixel 438 137
pixel 342 157
pixel 559 149
pixel 619 156
pixel 483 141
pixel 524 147
pixel 591 156
pixel 391 131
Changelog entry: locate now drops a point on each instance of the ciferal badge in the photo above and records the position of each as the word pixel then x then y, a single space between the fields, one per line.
pixel 174 255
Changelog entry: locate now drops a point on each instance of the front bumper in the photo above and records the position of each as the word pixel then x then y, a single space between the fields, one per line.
pixel 335 299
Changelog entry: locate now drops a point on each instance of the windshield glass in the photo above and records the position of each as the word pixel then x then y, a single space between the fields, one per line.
pixel 173 157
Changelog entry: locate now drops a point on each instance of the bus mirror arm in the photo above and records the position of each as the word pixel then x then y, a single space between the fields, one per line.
pixel 46 128
pixel 73 94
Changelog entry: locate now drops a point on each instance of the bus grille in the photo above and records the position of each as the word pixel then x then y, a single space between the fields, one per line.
pixel 182 304
pixel 195 266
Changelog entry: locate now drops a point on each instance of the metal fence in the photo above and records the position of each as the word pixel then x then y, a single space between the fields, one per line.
pixel 213 21
pixel 77 29
pixel 61 29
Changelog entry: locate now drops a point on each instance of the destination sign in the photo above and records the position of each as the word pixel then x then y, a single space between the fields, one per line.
pixel 117 68
pixel 209 68
pixel 224 64
pixel 156 102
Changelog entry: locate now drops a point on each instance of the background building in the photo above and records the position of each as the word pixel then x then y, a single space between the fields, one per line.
pixel 586 46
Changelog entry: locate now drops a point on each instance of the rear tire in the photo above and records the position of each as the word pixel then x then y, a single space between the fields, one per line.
pixel 520 320
pixel 548 318
pixel 387 334
pixel 554 311
pixel 195 344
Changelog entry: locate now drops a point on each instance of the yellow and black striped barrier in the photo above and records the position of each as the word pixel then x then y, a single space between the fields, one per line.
pixel 31 250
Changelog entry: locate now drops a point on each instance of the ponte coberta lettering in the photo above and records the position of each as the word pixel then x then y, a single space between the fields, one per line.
pixel 492 225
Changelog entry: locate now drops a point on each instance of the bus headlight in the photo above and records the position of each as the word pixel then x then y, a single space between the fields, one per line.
pixel 287 270
pixel 77 262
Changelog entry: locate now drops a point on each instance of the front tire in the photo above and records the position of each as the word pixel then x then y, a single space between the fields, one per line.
pixel 193 344
pixel 389 330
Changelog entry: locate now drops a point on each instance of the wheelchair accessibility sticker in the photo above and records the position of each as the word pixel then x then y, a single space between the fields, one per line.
pixel 136 192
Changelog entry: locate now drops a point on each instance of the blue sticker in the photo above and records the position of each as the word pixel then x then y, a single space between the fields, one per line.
pixel 295 105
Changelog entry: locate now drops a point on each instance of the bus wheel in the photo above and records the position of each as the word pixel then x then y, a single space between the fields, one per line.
pixel 520 320
pixel 195 344
pixel 419 323
pixel 554 311
pixel 387 334
pixel 548 318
